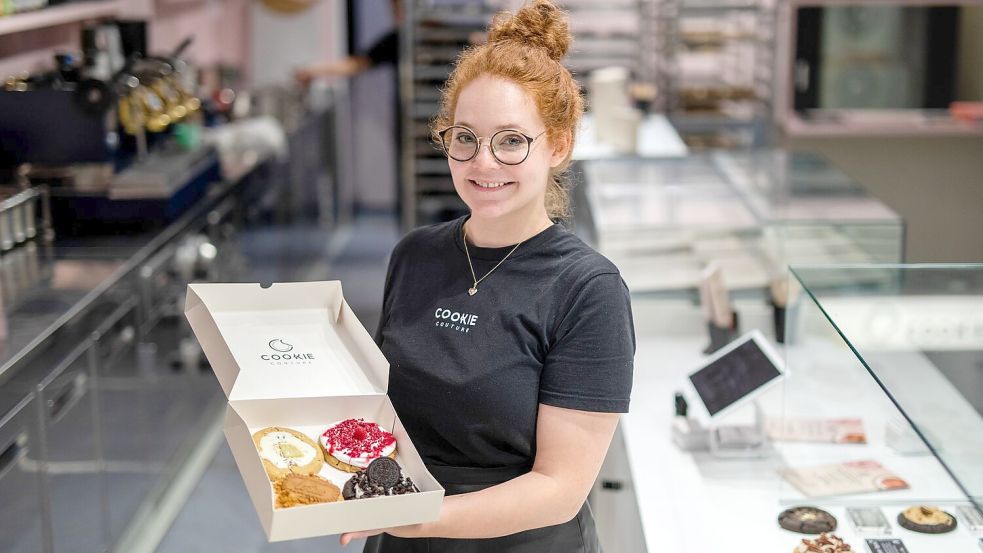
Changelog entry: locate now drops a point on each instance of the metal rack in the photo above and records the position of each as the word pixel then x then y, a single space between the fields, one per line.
pixel 618 32
pixel 717 77
pixel 434 32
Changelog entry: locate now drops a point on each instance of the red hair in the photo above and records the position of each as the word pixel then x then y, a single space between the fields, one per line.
pixel 526 48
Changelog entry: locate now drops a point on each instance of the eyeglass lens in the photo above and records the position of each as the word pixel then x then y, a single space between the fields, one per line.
pixel 508 146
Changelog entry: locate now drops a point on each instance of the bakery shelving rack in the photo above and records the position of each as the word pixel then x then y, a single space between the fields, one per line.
pixel 433 33
pixel 717 75
pixel 617 32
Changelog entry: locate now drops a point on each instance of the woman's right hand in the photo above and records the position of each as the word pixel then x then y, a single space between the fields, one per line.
pixel 304 76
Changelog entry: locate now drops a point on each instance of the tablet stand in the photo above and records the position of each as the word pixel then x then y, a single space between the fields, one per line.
pixel 729 441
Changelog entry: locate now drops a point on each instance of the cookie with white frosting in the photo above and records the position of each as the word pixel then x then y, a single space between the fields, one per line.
pixel 352 444
pixel 286 451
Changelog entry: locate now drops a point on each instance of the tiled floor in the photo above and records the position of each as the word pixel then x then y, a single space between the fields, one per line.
pixel 218 515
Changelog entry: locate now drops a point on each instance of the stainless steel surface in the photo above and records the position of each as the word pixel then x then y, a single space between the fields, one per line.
pixel 22 514
pixel 160 174
pixel 103 396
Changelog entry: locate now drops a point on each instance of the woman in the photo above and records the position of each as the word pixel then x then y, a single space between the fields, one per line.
pixel 510 340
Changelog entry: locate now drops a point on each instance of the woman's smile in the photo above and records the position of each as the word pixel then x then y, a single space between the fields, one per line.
pixel 490 185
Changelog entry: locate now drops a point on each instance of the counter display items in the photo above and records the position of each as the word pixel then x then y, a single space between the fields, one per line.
pixel 868 520
pixel 886 546
pixel 807 520
pixel 845 478
pixel 825 543
pixel 927 520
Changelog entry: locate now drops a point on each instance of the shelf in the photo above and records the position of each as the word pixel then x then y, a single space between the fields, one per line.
pixel 59 15
pixel 880 123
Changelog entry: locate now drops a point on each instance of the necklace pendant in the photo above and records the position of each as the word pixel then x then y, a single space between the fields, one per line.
pixel 472 291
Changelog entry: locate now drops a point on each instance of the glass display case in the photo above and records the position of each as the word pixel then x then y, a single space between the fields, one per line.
pixel 882 403
pixel 663 221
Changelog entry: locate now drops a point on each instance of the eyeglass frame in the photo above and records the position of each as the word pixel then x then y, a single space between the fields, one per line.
pixel 529 141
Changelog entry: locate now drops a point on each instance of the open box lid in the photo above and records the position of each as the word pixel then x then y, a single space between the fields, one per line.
pixel 296 339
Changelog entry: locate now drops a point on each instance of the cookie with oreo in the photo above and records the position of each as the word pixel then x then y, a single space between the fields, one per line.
pixel 926 520
pixel 382 477
pixel 807 520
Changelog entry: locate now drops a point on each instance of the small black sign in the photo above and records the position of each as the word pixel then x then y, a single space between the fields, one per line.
pixel 886 546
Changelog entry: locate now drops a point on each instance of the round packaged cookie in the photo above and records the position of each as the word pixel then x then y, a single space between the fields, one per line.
pixel 927 520
pixel 286 451
pixel 807 520
pixel 352 444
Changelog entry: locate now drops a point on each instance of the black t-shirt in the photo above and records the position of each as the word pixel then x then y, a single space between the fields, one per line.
pixel 551 325
pixel 384 50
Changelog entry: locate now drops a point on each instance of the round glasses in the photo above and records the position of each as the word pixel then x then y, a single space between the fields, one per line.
pixel 508 146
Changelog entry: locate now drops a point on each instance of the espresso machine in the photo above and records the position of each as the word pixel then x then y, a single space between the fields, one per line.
pixel 108 141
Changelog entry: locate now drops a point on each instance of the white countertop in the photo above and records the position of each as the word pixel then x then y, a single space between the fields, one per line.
pixel 693 502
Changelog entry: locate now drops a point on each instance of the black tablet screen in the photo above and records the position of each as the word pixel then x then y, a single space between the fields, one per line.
pixel 733 376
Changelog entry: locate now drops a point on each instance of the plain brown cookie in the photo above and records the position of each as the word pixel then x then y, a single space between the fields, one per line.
pixel 304 489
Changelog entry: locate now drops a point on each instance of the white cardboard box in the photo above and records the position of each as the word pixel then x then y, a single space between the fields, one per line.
pixel 294 355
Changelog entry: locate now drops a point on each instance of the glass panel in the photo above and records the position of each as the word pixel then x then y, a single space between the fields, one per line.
pixel 753 213
pixel 900 347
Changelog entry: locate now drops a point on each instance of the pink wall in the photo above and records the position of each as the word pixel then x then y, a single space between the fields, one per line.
pixel 220 28
pixel 32 50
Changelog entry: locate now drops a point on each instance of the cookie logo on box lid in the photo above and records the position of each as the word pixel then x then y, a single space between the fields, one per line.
pixel 284 354
pixel 277 344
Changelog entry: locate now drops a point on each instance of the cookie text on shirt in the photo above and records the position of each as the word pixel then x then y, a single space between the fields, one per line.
pixel 461 322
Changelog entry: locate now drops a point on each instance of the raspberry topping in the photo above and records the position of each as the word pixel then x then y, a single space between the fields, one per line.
pixel 357 438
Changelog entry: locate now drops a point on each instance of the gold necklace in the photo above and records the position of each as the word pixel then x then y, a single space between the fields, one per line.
pixel 474 289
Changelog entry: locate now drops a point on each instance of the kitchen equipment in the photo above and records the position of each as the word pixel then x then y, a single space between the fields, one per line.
pixel 24 215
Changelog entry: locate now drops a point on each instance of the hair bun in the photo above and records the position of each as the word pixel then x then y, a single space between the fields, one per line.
pixel 540 24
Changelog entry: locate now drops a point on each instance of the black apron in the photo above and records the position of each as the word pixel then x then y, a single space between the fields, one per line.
pixel 578 535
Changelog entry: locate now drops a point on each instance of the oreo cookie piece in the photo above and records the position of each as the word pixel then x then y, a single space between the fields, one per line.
pixel 384 472
pixel 927 520
pixel 369 483
pixel 348 491
pixel 807 520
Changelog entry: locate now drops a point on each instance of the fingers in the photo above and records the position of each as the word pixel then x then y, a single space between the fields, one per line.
pixel 349 537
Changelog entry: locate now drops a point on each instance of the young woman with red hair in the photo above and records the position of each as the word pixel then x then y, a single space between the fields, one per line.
pixel 510 340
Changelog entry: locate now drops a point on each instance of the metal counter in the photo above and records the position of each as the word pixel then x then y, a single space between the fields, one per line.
pixel 104 392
